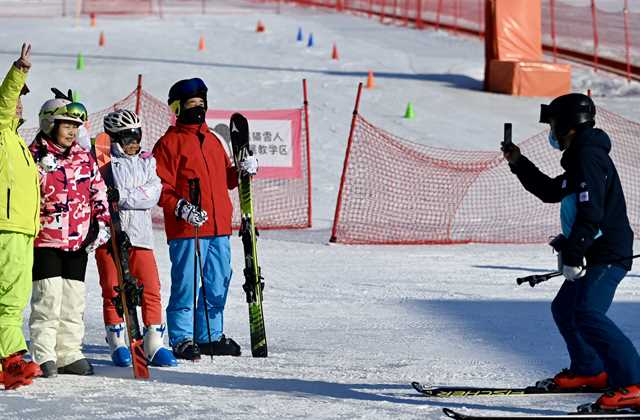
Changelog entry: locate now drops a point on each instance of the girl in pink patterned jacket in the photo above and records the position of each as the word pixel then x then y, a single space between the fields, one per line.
pixel 74 217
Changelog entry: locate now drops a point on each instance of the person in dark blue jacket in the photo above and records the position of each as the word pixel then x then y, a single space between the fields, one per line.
pixel 596 238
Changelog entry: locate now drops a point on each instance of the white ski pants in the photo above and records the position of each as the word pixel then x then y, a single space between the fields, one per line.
pixel 56 323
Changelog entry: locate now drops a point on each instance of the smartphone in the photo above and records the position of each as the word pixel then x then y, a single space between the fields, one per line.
pixel 506 142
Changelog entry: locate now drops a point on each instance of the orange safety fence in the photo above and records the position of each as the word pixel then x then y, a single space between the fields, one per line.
pixel 602 34
pixel 394 191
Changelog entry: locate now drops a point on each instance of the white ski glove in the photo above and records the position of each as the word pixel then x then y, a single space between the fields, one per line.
pixel 572 273
pixel 48 163
pixel 249 166
pixel 104 234
pixel 190 213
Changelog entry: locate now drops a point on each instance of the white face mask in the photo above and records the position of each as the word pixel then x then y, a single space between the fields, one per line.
pixel 553 141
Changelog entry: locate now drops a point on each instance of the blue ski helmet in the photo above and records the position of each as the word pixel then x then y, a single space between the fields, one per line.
pixel 186 89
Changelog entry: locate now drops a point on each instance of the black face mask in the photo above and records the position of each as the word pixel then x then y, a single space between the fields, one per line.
pixel 193 115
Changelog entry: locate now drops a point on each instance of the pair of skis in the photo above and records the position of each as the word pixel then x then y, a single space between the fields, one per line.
pixel 588 411
pixel 254 284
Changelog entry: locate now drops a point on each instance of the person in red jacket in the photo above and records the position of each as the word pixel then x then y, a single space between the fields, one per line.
pixel 189 154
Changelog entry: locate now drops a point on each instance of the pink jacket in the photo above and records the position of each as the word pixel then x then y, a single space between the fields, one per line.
pixel 72 196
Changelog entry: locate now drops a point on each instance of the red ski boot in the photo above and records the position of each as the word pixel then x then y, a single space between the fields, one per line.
pixel 627 397
pixel 569 380
pixel 17 371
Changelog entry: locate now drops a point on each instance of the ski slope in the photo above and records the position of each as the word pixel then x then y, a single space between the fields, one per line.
pixel 348 326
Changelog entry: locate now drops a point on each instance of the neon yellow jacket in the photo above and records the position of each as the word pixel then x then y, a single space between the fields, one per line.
pixel 19 187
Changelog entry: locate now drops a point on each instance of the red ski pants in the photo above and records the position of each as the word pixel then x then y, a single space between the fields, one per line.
pixel 142 264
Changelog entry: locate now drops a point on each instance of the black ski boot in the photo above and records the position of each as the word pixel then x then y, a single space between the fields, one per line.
pixel 49 369
pixel 187 350
pixel 79 367
pixel 223 347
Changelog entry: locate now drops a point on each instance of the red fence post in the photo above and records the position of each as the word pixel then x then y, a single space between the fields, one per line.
pixel 552 13
pixel 308 137
pixel 438 11
pixel 336 217
pixel 594 20
pixel 370 8
pixel 138 94
pixel 627 40
pixel 384 6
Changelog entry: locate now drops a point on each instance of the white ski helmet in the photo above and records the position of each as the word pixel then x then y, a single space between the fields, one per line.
pixel 122 123
pixel 60 110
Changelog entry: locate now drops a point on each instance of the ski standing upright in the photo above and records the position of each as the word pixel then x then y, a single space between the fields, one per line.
pixel 129 291
pixel 254 284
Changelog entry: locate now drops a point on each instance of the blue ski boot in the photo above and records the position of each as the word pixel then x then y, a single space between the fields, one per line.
pixel 156 353
pixel 120 354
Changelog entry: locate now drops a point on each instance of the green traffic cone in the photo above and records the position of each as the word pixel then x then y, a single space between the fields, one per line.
pixel 409 114
pixel 80 62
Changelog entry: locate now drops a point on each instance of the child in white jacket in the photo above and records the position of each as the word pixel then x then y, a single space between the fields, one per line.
pixel 136 187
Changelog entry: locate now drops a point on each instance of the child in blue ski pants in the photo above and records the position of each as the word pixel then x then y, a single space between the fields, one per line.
pixel 216 258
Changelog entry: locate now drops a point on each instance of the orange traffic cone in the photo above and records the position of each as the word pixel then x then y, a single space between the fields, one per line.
pixel 93 20
pixel 101 39
pixel 260 27
pixel 370 82
pixel 201 44
pixel 334 53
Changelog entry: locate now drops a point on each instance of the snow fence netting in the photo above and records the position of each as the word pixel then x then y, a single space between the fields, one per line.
pixel 399 192
pixel 278 203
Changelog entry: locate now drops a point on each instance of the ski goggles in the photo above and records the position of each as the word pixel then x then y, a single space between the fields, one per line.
pixel 127 137
pixel 73 110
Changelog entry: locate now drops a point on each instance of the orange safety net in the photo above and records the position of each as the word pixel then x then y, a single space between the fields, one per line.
pixel 125 7
pixel 400 192
pixel 278 203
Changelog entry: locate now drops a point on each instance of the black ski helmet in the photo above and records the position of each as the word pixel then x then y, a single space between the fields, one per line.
pixel 569 111
pixel 186 89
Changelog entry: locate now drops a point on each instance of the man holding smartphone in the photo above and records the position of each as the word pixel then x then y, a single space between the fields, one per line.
pixel 595 227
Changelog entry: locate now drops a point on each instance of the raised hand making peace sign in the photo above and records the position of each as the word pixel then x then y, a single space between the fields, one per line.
pixel 24 62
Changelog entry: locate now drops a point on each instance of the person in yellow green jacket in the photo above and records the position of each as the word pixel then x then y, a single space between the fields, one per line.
pixel 19 224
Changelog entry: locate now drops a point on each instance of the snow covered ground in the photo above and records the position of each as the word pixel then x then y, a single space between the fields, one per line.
pixel 349 327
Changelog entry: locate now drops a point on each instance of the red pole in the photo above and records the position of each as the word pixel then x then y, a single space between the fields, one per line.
pixel 384 4
pixel 370 11
pixel 138 94
pixel 439 9
pixel 552 13
pixel 595 34
pixel 419 23
pixel 308 136
pixel 627 40
pixel 336 217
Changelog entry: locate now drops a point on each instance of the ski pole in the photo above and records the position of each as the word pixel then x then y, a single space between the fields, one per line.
pixel 539 278
pixel 195 196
